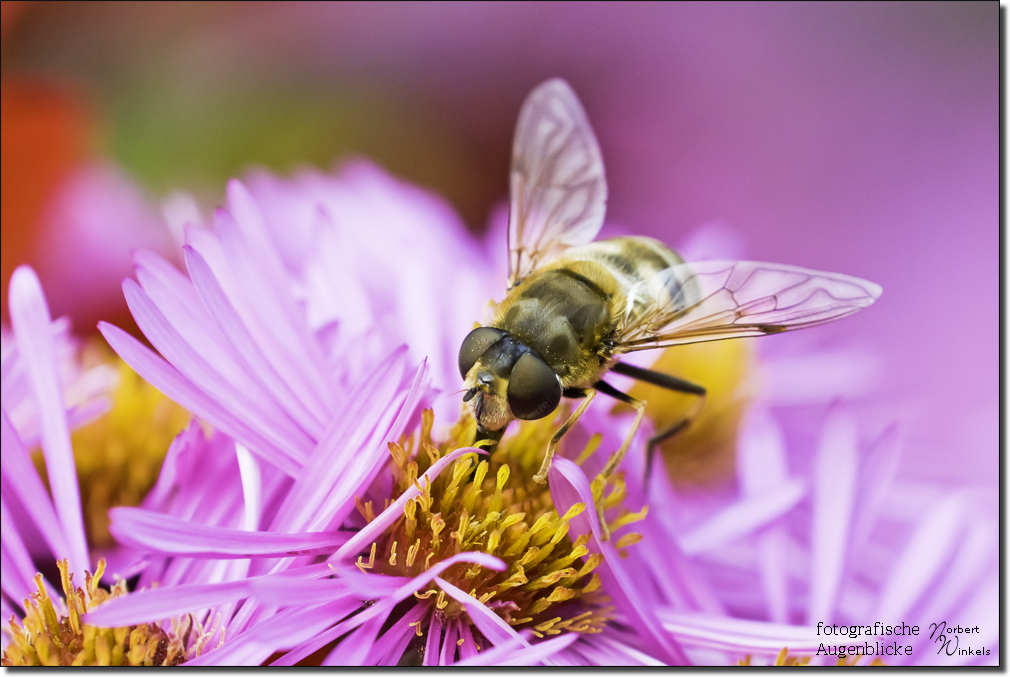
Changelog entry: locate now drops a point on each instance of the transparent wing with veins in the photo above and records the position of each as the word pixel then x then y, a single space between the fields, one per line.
pixel 713 300
pixel 557 184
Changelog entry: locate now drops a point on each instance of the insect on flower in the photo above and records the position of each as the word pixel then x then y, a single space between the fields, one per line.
pixel 574 306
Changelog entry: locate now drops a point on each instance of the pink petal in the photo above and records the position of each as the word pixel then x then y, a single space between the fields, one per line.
pixel 252 488
pixel 607 649
pixel 875 480
pixel 742 518
pixel 761 453
pixel 930 547
pixel 518 651
pixel 24 481
pixel 356 647
pixel 365 465
pixel 177 300
pixel 177 387
pixel 291 590
pixel 975 553
pixel 569 486
pixel 448 653
pixel 433 643
pixel 834 495
pixel 17 571
pixel 286 629
pixel 311 421
pixel 341 446
pixel 490 624
pixel 677 576
pixel 386 604
pixel 164 602
pixel 32 331
pixel 147 530
pixel 739 635
pixel 266 307
pixel 248 407
pixel 389 648
pixel 772 544
pixel 468 648
pixel 152 606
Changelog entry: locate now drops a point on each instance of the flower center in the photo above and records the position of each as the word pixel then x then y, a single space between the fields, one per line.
pixel 493 505
pixel 50 637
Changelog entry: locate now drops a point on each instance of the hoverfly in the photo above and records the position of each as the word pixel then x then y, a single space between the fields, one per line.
pixel 574 306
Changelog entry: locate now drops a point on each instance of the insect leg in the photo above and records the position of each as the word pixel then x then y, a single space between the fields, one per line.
pixel 618 456
pixel 658 379
pixel 666 433
pixel 541 476
pixel 670 383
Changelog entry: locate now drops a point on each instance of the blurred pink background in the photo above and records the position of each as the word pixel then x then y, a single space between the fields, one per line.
pixel 858 138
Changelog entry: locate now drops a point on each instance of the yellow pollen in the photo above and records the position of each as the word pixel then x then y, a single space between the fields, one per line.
pixel 365 510
pixel 371 561
pixel 628 518
pixel 412 552
pixel 594 444
pixel 437 525
pixel 489 503
pixel 628 539
pixel 45 638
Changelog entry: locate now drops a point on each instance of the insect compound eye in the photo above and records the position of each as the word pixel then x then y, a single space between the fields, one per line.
pixel 534 389
pixel 474 345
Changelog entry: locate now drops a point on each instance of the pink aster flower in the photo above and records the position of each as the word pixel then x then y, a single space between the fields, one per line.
pixel 325 424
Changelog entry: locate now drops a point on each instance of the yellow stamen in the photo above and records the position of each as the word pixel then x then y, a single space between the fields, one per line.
pixel 48 637
pixel 591 447
pixel 371 561
pixel 628 539
pixel 491 504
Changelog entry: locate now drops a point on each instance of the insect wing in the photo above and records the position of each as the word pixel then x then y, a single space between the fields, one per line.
pixel 712 300
pixel 558 189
